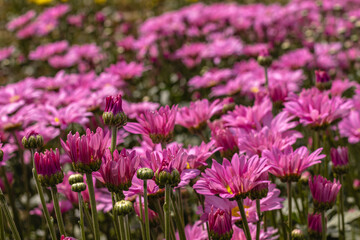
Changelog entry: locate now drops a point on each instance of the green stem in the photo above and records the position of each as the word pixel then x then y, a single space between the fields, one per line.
pixel 244 220
pixel 266 77
pixel 81 210
pixel 258 211
pixel 113 138
pixel 49 220
pixel 122 228
pixel 323 221
pixel 87 215
pixel 2 225
pixel 283 224
pixel 167 211
pixel 115 218
pixel 94 216
pixel 179 224
pixel 147 225
pixel 58 214
pixel 5 208
pixel 127 227
pixel 180 205
pixel 290 208
pixel 143 234
pixel 342 207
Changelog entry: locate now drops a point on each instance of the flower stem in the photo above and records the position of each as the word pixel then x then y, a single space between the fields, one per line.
pixel 258 211
pixel 127 227
pixel 143 234
pixel 2 230
pixel 266 77
pixel 342 207
pixel 243 219
pixel 94 216
pixel 81 210
pixel 323 221
pixel 179 223
pixel 113 138
pixel 5 208
pixel 49 220
pixel 167 211
pixel 290 208
pixel 147 226
pixel 59 218
pixel 122 229
pixel 115 218
pixel 87 215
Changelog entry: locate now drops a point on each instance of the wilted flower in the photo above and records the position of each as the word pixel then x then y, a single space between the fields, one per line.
pixel 86 152
pixel 233 179
pixel 48 167
pixel 288 165
pixel 158 125
pixel 324 192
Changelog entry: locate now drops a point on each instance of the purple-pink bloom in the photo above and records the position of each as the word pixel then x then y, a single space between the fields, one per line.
pixel 324 192
pixel 232 179
pixel 315 225
pixel 339 156
pixel 288 165
pixel 45 51
pixel 6 52
pixel 350 127
pixel 201 153
pixel 21 20
pixel 158 125
pixel 220 223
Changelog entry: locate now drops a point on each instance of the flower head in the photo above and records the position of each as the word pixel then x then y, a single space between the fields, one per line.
pixel 288 165
pixel 324 192
pixel 86 152
pixel 340 159
pixel 118 169
pixel 314 225
pixel 225 138
pixel 158 125
pixel 220 224
pixel 114 114
pixel 48 167
pixel 233 179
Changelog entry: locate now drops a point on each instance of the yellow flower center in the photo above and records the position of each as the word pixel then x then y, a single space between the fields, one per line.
pixel 187 165
pixel 254 89
pixel 235 212
pixel 229 189
pixel 14 98
pixel 57 120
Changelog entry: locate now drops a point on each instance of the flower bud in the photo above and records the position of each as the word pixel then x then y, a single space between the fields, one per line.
pixel 261 190
pixel 78 187
pixel 123 207
pixel 174 178
pixel 76 178
pixel 220 224
pixel 145 173
pixel 304 179
pixel 340 160
pixel 48 168
pixel 264 59
pixel 114 114
pixel 162 178
pixel 32 140
pixel 356 184
pixel 322 80
pixel 297 234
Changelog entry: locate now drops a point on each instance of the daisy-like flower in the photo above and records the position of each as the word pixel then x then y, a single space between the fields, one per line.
pixel 118 169
pixel 158 125
pixel 288 165
pixel 201 153
pixel 317 109
pixel 197 114
pixel 224 138
pixel 324 192
pixel 233 179
pixel 220 224
pixel 270 234
pixel 48 167
pixel 86 152
pixel 350 127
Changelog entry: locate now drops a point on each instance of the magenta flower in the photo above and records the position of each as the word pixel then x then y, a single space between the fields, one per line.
pixel 340 159
pixel 158 125
pixel 21 20
pixel 6 52
pixel 324 192
pixel 225 138
pixel 153 216
pixel 86 152
pixel 137 188
pixel 314 225
pixel 288 165
pixel 233 179
pixel 113 114
pixel 48 167
pixel 317 109
pixel 220 223
pixel 45 51
pixel 126 71
pixel 321 77
pixel 197 114
pixel 117 170
pixel 350 127
pixel 201 153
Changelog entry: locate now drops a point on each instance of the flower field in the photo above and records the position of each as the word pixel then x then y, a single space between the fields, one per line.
pixel 180 120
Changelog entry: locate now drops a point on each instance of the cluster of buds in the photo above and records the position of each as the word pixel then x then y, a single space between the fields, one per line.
pixel 114 115
pixel 32 140
pixel 48 168
pixel 77 183
pixel 164 177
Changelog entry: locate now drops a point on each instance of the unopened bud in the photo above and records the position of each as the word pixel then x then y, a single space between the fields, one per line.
pixel 32 140
pixel 297 234
pixel 76 178
pixel 78 187
pixel 123 207
pixel 145 173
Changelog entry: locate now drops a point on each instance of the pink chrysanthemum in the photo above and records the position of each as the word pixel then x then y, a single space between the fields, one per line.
pixel 324 192
pixel 48 167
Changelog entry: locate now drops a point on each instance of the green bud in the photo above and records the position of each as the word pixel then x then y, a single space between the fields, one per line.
pixel 78 187
pixel 175 178
pixel 33 142
pixel 145 173
pixel 76 178
pixel 123 207
pixel 162 178
pixel 118 120
pixel 297 234
pixel 264 61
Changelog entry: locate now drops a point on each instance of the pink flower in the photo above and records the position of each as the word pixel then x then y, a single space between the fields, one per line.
pixel 195 116
pixel 48 167
pixel 201 153
pixel 126 71
pixel 6 52
pixel 339 156
pixel 324 192
pixel 117 170
pixel 288 165
pixel 219 223
pixel 316 109
pixel 315 225
pixel 158 125
pixel 86 152
pixel 45 51
pixel 225 138
pixel 350 127
pixel 21 20
pixel 232 179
